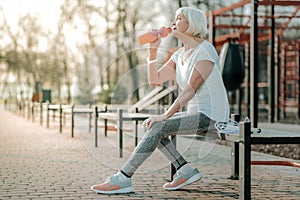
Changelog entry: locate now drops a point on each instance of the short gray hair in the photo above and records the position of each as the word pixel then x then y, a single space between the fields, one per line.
pixel 197 20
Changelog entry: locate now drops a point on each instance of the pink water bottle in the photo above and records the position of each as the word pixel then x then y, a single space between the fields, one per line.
pixel 152 35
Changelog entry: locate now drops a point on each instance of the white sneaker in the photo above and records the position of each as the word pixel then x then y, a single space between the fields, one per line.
pixel 183 177
pixel 115 184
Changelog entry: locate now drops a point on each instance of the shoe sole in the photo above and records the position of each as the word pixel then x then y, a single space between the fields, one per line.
pixel 193 179
pixel 120 191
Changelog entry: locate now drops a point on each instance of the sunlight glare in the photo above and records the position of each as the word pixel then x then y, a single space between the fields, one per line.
pixel 48 11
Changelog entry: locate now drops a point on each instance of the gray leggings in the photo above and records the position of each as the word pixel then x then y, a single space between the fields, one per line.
pixel 158 136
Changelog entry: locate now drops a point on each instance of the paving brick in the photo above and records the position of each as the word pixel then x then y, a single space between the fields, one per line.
pixel 40 163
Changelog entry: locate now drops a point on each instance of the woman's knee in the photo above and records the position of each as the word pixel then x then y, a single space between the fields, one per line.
pixel 155 129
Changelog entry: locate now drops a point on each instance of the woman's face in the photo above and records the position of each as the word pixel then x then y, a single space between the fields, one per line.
pixel 180 24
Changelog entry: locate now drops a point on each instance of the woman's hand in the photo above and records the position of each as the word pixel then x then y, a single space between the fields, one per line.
pixel 156 43
pixel 154 119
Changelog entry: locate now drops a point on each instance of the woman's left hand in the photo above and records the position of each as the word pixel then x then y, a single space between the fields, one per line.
pixel 154 119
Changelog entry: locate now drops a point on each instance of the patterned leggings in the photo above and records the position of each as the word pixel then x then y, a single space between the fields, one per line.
pixel 158 136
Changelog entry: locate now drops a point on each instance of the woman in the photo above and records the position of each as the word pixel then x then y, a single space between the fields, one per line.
pixel 196 69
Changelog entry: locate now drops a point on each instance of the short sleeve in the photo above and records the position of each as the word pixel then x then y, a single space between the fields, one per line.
pixel 205 53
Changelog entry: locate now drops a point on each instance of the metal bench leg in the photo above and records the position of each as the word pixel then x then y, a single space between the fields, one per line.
pixel 96 126
pixel 173 169
pixel 120 131
pixel 245 160
pixel 136 129
pixel 48 117
pixel 136 133
pixel 90 119
pixel 235 152
pixel 60 118
pixel 235 160
pixel 72 121
pixel 105 127
pixel 41 114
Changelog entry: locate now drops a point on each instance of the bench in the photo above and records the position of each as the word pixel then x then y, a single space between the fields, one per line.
pixel 120 117
pixel 32 109
pixel 56 108
pixel 73 110
pixel 241 151
pixel 53 108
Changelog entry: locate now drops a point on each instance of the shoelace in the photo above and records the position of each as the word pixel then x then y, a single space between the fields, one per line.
pixel 227 127
pixel 233 127
pixel 112 180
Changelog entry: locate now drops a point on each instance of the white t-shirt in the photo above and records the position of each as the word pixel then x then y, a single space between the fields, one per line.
pixel 211 98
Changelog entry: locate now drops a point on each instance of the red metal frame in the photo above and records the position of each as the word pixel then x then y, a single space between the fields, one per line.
pixel 280 45
pixel 221 12
pixel 275 162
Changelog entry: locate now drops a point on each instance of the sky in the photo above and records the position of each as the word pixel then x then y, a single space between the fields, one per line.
pixel 48 10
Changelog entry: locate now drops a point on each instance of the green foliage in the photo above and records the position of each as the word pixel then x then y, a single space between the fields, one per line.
pixel 113 95
pixel 119 95
pixel 104 96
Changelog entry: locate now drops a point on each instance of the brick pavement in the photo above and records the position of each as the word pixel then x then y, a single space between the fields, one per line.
pixel 40 163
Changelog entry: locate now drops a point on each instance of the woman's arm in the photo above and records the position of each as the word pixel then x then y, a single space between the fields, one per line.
pixel 200 72
pixel 165 73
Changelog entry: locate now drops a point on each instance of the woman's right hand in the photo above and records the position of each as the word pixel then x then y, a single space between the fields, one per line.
pixel 156 43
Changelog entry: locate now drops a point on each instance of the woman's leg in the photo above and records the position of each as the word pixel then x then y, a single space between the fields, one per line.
pixel 167 147
pixel 157 135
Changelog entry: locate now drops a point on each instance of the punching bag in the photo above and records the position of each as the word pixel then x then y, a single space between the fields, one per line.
pixel 232 66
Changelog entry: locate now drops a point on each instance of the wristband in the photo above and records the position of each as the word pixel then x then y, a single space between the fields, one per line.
pixel 151 61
